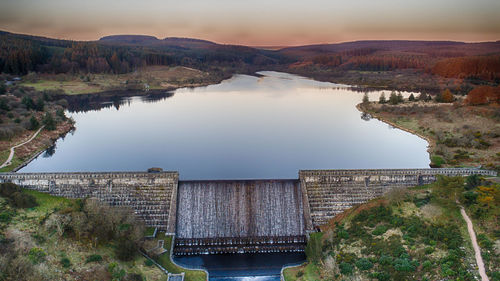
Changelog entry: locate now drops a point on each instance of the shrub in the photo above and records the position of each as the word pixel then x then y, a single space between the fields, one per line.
pixel 149 262
pixel 33 124
pixel 379 230
pixel 382 99
pixel 346 268
pixel 6 216
pixel 49 122
pixel 65 262
pixel 429 250
pixel 93 258
pixel 364 264
pixel 472 181
pixel 470 197
pixel 23 200
pixel 385 260
pixel 436 161
pixel 403 264
pixel 17 197
pixel 314 247
pixel 36 255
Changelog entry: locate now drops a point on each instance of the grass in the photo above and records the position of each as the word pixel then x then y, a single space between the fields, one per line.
pixel 307 272
pixel 165 261
pixel 149 231
pixel 157 77
pixel 70 87
pixel 75 253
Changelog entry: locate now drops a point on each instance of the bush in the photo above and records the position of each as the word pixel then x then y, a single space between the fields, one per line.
pixel 33 124
pixel 379 230
pixel 23 200
pixel 472 181
pixel 403 264
pixel 49 122
pixel 36 255
pixel 149 262
pixel 17 197
pixel 314 247
pixel 364 264
pixel 470 197
pixel 93 258
pixel 436 161
pixel 65 262
pixel 6 216
pixel 346 268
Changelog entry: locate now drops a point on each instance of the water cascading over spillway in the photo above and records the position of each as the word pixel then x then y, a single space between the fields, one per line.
pixel 238 216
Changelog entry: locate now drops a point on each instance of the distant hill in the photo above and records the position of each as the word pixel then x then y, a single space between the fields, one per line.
pixel 145 40
pixel 130 39
pixel 427 47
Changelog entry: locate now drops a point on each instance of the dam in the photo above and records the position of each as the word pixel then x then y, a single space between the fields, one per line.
pixel 239 216
pixel 234 216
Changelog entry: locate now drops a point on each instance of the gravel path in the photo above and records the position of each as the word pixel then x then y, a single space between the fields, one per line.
pixel 11 155
pixel 477 250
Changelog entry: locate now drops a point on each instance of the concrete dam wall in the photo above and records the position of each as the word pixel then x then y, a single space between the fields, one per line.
pixel 151 195
pixel 330 192
pixel 231 216
pixel 242 215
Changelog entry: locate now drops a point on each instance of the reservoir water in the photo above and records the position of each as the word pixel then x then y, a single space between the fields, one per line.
pixel 246 127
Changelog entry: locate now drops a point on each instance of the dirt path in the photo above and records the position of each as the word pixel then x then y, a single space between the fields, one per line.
pixel 477 250
pixel 11 155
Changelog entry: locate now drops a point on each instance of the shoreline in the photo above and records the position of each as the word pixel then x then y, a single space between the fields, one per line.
pixel 52 140
pixel 431 144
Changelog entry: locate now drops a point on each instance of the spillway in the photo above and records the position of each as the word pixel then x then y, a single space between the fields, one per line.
pixel 236 216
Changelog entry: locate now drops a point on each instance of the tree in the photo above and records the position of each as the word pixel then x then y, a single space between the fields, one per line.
pixel 366 99
pixel 382 99
pixel 447 96
pixel 3 88
pixel 40 104
pixel 34 124
pixel 400 98
pixel 393 98
pixel 28 102
pixel 49 122
pixel 424 97
pixel 411 97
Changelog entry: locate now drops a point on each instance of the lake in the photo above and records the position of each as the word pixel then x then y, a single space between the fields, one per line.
pixel 247 127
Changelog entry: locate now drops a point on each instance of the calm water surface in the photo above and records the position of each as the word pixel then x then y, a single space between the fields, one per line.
pixel 245 127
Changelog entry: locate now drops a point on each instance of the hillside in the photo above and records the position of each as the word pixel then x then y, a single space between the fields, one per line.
pixel 428 66
pixel 44 237
pixel 414 234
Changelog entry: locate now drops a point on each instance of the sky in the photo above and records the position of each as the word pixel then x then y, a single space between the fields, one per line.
pixel 257 22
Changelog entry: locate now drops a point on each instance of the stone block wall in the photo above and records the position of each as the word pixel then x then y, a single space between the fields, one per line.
pixel 330 192
pixel 153 196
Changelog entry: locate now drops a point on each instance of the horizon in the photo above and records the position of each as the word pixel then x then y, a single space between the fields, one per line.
pixel 260 23
pixel 253 46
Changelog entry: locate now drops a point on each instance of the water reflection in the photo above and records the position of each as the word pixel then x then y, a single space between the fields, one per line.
pixel 245 127
pixel 93 102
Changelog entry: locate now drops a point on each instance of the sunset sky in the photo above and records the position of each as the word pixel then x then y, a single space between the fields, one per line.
pixel 257 22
